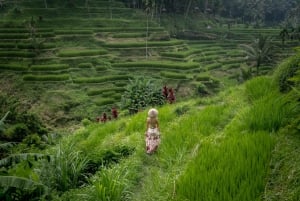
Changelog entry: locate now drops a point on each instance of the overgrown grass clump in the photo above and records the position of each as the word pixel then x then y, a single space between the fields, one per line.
pixel 78 52
pixel 233 169
pixel 45 78
pixel 15 53
pixel 143 44
pixel 173 75
pixel 93 92
pixel 49 67
pixel 102 79
pixel 13 67
pixel 157 65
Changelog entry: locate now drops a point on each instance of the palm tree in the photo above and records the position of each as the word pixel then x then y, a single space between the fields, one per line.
pixel 259 51
pixel 284 34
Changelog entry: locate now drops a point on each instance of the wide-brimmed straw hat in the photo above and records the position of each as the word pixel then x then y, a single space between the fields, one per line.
pixel 152 112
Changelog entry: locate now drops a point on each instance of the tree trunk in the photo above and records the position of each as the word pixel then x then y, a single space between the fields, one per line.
pixel 45 2
pixel 188 9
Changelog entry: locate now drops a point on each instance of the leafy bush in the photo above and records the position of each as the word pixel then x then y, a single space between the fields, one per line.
pixel 141 93
pixel 182 110
pixel 285 71
pixel 16 132
pixel 202 89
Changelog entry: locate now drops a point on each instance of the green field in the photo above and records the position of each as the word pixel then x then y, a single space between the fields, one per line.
pixel 232 134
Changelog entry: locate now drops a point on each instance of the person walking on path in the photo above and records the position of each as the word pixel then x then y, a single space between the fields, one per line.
pixel 152 133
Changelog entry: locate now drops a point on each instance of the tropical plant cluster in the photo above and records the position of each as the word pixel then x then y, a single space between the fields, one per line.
pixel 247 11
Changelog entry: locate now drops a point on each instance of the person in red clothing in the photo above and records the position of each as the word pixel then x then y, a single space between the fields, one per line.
pixel 165 91
pixel 104 117
pixel 171 96
pixel 114 113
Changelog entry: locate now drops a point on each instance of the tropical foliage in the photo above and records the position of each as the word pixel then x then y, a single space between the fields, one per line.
pixel 141 93
pixel 259 51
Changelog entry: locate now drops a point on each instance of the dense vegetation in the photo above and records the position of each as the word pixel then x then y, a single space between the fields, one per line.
pixel 226 86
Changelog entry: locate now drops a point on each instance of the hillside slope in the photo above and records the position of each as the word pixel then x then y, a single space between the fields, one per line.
pixel 230 147
pixel 66 62
pixel 241 144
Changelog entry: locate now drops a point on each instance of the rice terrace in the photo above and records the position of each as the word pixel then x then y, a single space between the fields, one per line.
pixel 78 78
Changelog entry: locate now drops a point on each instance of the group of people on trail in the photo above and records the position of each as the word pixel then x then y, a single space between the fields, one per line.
pixel 152 134
pixel 104 118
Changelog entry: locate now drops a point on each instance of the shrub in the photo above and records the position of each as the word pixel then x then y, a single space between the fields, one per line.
pixel 286 70
pixel 141 93
pixel 202 89
pixel 16 132
pixel 85 122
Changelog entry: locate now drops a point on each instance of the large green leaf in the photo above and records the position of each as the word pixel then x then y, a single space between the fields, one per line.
pixel 20 183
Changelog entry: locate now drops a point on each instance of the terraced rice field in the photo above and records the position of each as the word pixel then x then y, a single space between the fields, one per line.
pixel 90 48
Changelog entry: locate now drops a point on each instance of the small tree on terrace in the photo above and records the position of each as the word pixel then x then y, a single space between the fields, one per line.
pixel 259 51
pixel 141 93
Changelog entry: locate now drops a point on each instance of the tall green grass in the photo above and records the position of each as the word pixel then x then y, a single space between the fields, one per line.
pixel 110 78
pixel 62 77
pixel 143 44
pixel 173 75
pixel 269 113
pixel 78 52
pixel 65 168
pixel 258 87
pixel 93 92
pixel 13 67
pixel 157 64
pixel 17 54
pixel 234 169
pixel 49 67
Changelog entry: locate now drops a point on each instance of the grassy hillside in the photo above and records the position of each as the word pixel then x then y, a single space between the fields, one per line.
pixel 56 58
pixel 239 145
